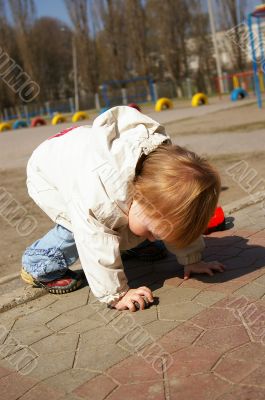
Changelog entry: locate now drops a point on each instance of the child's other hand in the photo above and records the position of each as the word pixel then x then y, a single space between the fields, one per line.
pixel 135 295
pixel 203 267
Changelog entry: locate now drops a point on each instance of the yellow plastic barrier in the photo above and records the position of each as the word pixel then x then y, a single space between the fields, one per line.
pixel 79 116
pixel 261 81
pixel 163 104
pixel 58 119
pixel 199 99
pixel 235 82
pixel 5 126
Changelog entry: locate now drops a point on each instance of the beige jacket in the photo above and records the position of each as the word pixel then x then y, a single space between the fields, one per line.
pixel 83 181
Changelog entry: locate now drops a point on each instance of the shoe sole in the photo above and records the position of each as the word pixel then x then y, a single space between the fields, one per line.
pixel 26 277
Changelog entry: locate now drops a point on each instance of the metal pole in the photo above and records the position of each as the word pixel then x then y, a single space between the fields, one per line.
pixel 217 58
pixel 75 74
pixel 254 61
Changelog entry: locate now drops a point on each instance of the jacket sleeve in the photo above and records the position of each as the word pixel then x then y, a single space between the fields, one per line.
pixel 99 251
pixel 190 254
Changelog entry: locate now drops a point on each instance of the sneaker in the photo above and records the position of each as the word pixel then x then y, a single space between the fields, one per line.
pixel 68 283
pixel 153 251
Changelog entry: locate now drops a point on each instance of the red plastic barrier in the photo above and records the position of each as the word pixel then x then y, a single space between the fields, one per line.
pixel 38 121
pixel 134 105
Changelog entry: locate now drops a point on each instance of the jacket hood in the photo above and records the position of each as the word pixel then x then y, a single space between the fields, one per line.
pixel 123 134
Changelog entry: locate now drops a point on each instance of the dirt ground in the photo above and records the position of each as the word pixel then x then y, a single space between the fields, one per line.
pixel 240 119
pixel 245 118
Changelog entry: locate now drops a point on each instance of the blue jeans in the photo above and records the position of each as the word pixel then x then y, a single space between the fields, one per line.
pixel 49 257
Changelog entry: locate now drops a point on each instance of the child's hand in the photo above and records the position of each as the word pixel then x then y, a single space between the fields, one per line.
pixel 203 267
pixel 135 295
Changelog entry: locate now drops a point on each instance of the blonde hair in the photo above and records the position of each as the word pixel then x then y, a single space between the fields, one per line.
pixel 179 192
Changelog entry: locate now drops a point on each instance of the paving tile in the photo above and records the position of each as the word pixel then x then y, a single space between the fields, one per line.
pixel 143 391
pixel 251 289
pixel 208 298
pixel 42 392
pixel 176 281
pixel 196 283
pixel 179 337
pixel 56 343
pixel 253 317
pixel 235 370
pixel 244 393
pixel 4 371
pixel 144 317
pixel 72 396
pixel 257 377
pixel 223 251
pixel 71 379
pixel 70 317
pixel 48 365
pixel 7 349
pixel 197 387
pixel 28 308
pixel 224 339
pixel 246 352
pixel 37 318
pixel 5 327
pixel 79 298
pixel 140 337
pixel 260 280
pixel 212 318
pixel 256 241
pixel 190 361
pixel 177 295
pixel 179 312
pixel 83 326
pixel 241 261
pixel 96 389
pixel 227 287
pixel 99 358
pixel 135 369
pixel 24 359
pixel 102 336
pixel 15 385
pixel 260 234
pixel 28 336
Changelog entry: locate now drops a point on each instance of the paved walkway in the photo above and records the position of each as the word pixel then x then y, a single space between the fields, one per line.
pixel 17 146
pixel 204 339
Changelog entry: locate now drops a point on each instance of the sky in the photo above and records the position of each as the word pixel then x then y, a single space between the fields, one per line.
pixel 52 8
pixel 57 9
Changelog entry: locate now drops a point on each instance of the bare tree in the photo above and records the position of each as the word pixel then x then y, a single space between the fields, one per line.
pixel 23 13
pixel 53 63
pixel 79 13
pixel 233 13
pixel 136 26
pixel 170 35
pixel 8 45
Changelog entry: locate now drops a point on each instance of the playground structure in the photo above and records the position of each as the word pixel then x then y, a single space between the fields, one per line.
pixel 131 92
pixel 257 43
pixel 135 90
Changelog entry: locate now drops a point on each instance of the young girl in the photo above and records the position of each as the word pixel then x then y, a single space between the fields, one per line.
pixel 108 188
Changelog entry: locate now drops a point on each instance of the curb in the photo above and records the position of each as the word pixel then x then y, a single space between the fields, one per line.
pixel 19 296
pixel 9 278
pixel 26 294
pixel 244 203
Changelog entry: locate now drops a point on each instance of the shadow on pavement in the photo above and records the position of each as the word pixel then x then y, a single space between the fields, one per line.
pixel 239 258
